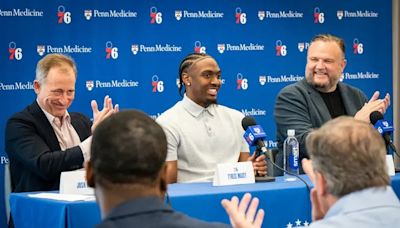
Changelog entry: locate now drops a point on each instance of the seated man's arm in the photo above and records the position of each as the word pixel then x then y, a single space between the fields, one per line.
pixel 25 143
pixel 172 135
pixel 292 112
pixel 172 172
pixel 259 163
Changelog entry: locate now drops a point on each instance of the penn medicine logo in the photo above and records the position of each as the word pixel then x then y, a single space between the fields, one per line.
pixel 64 17
pixel 90 85
pixel 221 48
pixel 114 83
pixel 178 15
pixel 157 84
pixel 198 48
pixel 261 15
pixel 319 17
pixel 281 14
pixel 41 49
pixel 240 16
pixel 16 12
pixel 240 47
pixel 280 48
pixel 14 51
pixel 262 79
pixel 339 14
pixel 358 47
pixel 303 46
pixel 111 51
pixel 88 14
pixel 200 14
pixel 155 16
pixel 112 13
pixel 134 48
pixel 241 82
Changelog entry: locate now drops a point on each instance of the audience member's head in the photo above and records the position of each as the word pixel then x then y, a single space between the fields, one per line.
pixel 350 154
pixel 200 74
pixel 127 157
pixel 325 62
pixel 55 83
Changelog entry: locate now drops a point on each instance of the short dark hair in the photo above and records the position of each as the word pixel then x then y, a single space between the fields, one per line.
pixel 331 38
pixel 128 148
pixel 185 64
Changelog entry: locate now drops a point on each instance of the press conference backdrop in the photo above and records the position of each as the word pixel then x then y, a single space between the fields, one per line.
pixel 131 49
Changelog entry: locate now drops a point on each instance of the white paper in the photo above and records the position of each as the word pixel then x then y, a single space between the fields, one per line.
pixel 64 197
pixel 74 182
pixel 390 164
pixel 234 173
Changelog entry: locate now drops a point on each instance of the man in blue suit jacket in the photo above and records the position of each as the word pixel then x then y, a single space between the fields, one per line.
pixel 320 96
pixel 44 139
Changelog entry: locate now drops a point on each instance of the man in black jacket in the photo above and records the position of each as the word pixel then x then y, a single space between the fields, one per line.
pixel 45 139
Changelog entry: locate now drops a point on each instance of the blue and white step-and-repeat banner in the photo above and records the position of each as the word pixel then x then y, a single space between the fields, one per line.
pixel 131 50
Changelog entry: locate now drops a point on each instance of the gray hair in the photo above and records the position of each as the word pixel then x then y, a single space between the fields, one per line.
pixel 350 154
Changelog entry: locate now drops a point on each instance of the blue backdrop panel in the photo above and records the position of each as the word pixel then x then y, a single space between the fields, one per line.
pixel 131 50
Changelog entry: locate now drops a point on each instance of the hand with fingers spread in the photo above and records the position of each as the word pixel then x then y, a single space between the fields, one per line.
pixel 259 164
pixel 374 104
pixel 107 110
pixel 243 215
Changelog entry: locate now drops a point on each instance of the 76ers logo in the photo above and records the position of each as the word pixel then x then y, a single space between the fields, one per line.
pixel 240 16
pixel 358 47
pixel 155 16
pixel 63 16
pixel 241 83
pixel 158 86
pixel 198 48
pixel 15 53
pixel 319 17
pixel 111 52
pixel 281 50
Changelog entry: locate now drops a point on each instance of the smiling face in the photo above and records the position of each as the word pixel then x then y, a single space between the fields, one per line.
pixel 325 64
pixel 57 91
pixel 203 80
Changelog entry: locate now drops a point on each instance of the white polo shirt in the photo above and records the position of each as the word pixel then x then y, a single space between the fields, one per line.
pixel 200 138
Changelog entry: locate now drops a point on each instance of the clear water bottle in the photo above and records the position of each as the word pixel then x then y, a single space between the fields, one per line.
pixel 291 153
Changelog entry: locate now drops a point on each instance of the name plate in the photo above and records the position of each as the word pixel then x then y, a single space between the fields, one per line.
pixel 74 182
pixel 234 173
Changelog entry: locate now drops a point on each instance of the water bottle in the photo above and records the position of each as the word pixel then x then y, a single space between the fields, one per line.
pixel 291 153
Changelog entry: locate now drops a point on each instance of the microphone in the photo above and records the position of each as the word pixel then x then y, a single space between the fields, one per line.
pixel 254 134
pixel 384 127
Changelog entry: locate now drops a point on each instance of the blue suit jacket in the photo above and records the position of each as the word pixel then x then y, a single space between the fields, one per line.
pixel 151 211
pixel 36 159
pixel 299 106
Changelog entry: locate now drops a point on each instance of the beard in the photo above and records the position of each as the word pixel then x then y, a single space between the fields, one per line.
pixel 322 86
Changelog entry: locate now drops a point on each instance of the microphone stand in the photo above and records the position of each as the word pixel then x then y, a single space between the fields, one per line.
pixel 269 157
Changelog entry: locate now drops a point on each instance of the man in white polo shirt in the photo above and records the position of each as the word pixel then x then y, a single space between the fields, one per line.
pixel 200 132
